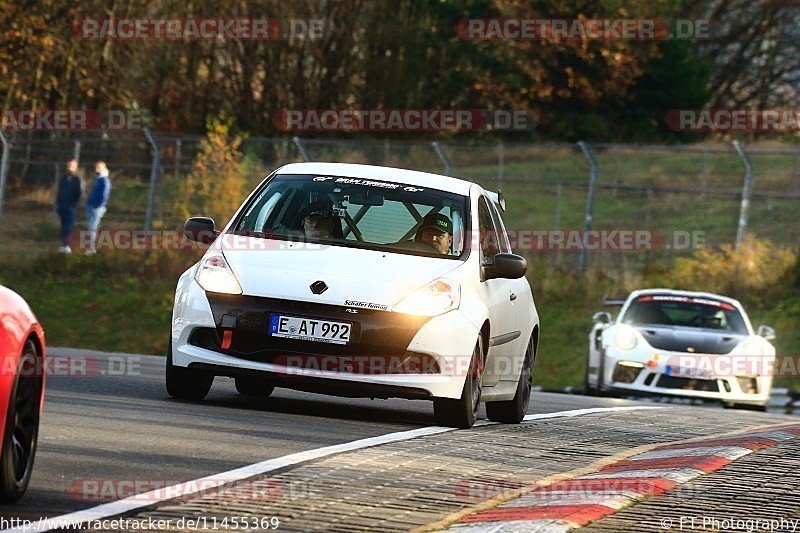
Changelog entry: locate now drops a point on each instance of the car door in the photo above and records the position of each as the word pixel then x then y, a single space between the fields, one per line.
pixel 497 297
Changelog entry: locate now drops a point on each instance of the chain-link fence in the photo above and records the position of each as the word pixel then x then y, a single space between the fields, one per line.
pixel 684 196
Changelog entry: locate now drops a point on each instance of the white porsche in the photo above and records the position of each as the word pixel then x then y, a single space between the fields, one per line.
pixel 360 281
pixel 681 343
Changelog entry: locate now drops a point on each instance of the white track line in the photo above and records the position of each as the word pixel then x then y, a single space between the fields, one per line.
pixel 726 452
pixel 593 410
pixel 188 488
pixel 679 475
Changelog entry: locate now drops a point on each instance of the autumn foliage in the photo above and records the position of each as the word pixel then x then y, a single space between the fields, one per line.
pixel 219 178
pixel 756 267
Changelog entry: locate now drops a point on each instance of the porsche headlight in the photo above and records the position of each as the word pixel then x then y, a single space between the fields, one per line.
pixel 625 338
pixel 433 299
pixel 214 275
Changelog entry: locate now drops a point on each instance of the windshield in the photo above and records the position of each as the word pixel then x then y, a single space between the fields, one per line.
pixel 685 311
pixel 359 213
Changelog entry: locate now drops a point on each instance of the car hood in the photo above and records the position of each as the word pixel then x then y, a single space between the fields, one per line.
pixel 691 340
pixel 282 269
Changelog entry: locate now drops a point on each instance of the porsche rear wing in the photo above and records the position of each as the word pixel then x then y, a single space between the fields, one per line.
pixel 613 301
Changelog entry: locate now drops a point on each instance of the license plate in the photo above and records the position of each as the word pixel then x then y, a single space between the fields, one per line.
pixel 688 372
pixel 310 329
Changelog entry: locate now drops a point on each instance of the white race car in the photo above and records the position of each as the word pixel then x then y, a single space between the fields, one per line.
pixel 360 281
pixel 681 343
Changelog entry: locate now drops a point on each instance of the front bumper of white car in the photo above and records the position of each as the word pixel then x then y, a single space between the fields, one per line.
pixel 390 354
pixel 711 377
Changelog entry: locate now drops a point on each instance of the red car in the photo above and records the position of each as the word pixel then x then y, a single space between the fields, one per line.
pixel 22 352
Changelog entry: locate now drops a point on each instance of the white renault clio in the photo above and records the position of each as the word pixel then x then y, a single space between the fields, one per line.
pixel 360 281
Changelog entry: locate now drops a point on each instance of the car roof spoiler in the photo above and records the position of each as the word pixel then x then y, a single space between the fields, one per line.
pixel 613 301
pixel 498 199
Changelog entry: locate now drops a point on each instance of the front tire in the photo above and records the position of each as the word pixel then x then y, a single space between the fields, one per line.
pixel 22 426
pixel 513 411
pixel 186 383
pixel 462 412
pixel 588 390
pixel 247 386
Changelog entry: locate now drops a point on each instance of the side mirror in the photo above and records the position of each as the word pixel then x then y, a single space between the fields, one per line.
pixel 601 318
pixel 507 266
pixel 767 332
pixel 200 229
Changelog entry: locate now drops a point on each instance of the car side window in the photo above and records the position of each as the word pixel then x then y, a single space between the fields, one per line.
pixel 488 234
pixel 505 245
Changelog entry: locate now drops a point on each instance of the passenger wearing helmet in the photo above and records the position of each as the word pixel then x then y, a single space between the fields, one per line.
pixel 436 231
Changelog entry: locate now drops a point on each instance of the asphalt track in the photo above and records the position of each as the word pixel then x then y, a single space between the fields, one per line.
pixel 116 423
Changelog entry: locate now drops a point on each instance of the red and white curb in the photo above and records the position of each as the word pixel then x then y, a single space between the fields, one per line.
pixel 576 502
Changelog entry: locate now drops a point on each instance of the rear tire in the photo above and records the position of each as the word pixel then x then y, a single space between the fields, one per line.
pixel 461 413
pixel 588 390
pixel 186 383
pixel 22 425
pixel 248 386
pixel 745 407
pixel 598 390
pixel 513 411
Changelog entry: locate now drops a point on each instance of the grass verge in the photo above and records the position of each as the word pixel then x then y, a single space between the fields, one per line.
pixel 117 302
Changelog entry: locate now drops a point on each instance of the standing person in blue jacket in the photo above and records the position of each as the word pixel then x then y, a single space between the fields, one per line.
pixel 96 203
pixel 70 190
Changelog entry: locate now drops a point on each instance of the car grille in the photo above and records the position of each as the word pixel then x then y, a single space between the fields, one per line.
pixel 374 333
pixel 672 382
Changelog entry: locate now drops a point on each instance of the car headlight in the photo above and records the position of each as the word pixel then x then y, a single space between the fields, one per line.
pixel 625 338
pixel 214 275
pixel 751 347
pixel 433 299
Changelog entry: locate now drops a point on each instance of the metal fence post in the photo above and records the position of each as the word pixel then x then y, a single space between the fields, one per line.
pixel 616 177
pixel 747 192
pixel 556 254
pixel 590 198
pixel 151 197
pixel 3 170
pixel 704 175
pixel 76 152
pixel 178 157
pixel 284 155
pixel 559 191
pixel 300 148
pixel 501 163
pixel 448 164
